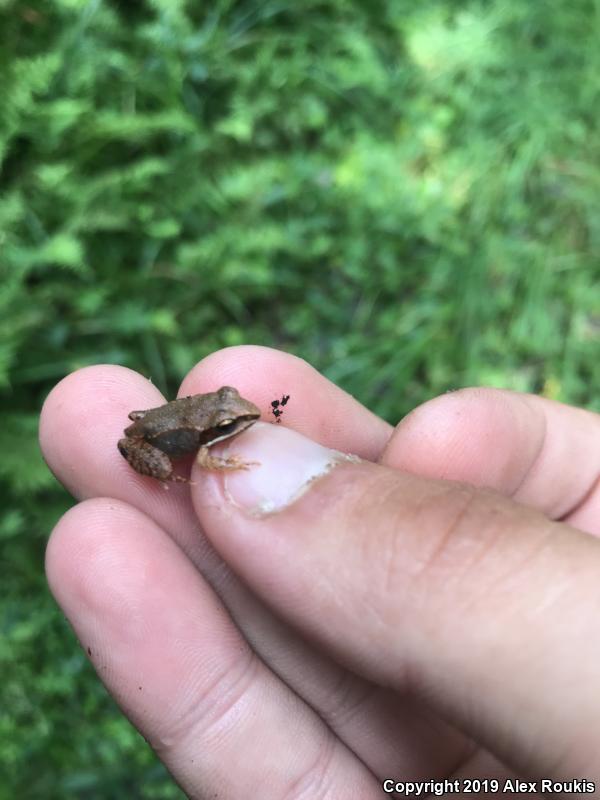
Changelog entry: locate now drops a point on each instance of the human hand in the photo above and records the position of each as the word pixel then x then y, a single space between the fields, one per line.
pixel 386 624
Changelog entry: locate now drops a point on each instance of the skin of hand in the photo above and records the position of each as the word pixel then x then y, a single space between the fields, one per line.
pixel 316 625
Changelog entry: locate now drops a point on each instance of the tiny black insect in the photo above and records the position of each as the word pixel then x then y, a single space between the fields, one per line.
pixel 277 412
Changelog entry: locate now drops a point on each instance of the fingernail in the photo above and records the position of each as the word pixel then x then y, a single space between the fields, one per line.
pixel 288 464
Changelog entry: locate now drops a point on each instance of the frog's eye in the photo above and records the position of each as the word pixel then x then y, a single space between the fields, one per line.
pixel 225 423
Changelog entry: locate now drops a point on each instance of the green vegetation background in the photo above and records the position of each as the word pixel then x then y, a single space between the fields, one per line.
pixel 404 193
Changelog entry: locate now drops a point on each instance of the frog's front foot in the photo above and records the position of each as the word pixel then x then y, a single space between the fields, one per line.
pixel 233 462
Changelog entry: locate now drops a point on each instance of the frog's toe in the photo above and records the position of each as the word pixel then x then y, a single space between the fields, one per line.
pixel 135 415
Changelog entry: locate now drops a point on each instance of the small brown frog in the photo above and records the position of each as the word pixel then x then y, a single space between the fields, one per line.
pixel 183 426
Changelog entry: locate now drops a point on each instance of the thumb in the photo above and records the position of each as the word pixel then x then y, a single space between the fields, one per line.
pixel 484 607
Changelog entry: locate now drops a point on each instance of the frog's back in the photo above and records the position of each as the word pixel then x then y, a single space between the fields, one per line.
pixel 170 418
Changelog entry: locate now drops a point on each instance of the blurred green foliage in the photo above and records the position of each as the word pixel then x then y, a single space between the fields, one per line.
pixel 405 194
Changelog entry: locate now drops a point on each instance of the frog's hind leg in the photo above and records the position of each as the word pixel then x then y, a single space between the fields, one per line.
pixel 147 459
